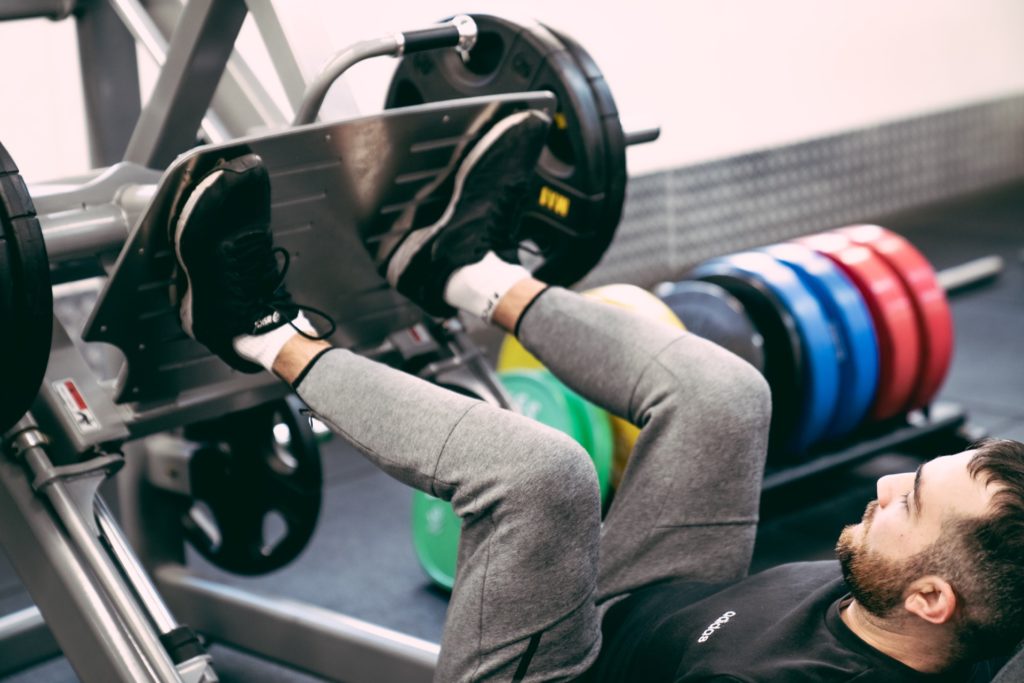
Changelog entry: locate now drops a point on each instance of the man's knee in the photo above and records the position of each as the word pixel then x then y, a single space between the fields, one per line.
pixel 726 389
pixel 746 394
pixel 556 477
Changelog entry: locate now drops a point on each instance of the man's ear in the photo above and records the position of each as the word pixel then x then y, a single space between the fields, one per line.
pixel 931 598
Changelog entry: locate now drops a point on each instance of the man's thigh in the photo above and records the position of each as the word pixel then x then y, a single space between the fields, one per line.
pixel 688 502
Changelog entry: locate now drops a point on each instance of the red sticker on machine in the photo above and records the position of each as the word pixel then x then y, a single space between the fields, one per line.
pixel 76 406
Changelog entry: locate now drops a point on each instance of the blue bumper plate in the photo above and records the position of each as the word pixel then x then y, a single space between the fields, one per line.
pixel 811 395
pixel 854 332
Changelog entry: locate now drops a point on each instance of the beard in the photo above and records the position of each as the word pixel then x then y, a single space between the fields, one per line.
pixel 877 583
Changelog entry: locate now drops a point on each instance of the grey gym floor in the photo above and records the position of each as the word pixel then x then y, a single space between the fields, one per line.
pixel 361 560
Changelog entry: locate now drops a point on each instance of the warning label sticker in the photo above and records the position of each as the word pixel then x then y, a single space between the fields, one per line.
pixel 83 417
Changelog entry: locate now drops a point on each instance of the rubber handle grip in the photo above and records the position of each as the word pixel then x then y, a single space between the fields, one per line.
pixel 431 38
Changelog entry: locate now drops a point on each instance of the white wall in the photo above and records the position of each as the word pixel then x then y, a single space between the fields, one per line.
pixel 719 77
pixel 42 120
pixel 723 77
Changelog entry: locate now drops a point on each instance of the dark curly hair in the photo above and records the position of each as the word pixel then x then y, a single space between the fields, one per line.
pixel 985 555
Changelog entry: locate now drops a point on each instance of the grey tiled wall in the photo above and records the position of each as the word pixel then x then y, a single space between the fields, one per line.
pixel 674 219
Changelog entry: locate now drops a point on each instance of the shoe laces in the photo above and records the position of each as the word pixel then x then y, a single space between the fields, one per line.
pixel 252 274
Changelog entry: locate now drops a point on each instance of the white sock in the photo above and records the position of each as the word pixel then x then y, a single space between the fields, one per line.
pixel 478 287
pixel 264 348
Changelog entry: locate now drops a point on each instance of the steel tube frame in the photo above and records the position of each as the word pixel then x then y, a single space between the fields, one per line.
pixel 143 587
pixel 71 235
pixel 84 539
pixel 110 80
pixel 196 58
pixel 317 90
pixel 80 616
pixel 297 46
pixel 241 103
pixel 316 640
pixel 140 25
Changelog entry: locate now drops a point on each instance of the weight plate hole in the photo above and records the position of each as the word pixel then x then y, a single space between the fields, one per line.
pixel 551 163
pixel 275 529
pixel 407 94
pixel 559 140
pixel 281 459
pixel 202 517
pixel 486 55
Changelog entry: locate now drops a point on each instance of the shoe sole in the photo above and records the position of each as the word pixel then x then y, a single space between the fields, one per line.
pixel 414 242
pixel 185 310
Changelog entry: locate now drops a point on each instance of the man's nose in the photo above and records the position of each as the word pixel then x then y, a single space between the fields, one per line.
pixel 882 491
pixel 889 485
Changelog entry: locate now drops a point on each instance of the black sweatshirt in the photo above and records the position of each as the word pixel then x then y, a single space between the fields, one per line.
pixel 779 626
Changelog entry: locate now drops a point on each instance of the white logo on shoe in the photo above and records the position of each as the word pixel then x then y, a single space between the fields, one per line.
pixel 715 625
pixel 272 319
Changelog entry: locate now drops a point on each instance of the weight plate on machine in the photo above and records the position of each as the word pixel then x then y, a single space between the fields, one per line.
pixel 254 470
pixel 614 138
pixel 537 394
pixel 512 356
pixel 577 201
pixel 819 389
pixel 26 299
pixel 928 298
pixel 854 332
pixel 713 313
pixel 899 345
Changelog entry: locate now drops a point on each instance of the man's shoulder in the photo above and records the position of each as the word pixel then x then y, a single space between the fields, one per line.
pixel 811 571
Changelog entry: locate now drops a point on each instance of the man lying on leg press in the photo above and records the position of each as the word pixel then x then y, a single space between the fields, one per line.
pixel 928 581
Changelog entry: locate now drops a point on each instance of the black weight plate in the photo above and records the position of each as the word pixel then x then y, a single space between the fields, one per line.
pixel 35 298
pixel 564 226
pixel 12 406
pixel 248 471
pixel 15 201
pixel 783 355
pixel 614 145
pixel 709 311
pixel 7 164
pixel 26 301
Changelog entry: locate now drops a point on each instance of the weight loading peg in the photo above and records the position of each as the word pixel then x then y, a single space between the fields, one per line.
pixel 967 276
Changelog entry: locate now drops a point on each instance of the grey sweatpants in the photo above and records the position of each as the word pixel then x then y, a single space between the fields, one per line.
pixel 536 567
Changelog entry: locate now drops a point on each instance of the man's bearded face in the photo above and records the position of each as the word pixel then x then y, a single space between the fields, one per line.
pixel 877 583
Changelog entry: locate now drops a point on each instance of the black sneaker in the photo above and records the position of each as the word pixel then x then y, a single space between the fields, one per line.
pixel 225 250
pixel 487 197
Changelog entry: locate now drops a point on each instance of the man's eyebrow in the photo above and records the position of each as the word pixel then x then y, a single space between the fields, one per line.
pixel 917 490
